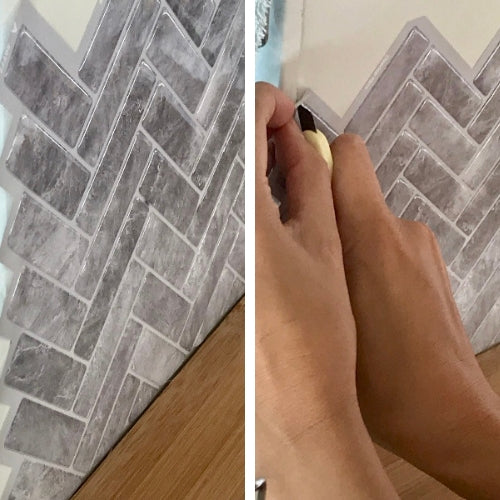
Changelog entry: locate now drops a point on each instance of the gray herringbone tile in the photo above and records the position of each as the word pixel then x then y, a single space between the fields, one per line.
pixel 127 188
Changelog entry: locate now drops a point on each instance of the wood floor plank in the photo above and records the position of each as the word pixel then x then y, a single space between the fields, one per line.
pixel 190 442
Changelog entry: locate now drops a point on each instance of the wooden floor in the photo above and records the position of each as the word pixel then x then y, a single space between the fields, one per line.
pixel 413 484
pixel 190 443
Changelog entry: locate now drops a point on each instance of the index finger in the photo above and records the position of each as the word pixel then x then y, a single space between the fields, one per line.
pixel 273 109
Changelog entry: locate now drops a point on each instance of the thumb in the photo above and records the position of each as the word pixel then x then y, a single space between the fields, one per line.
pixel 359 203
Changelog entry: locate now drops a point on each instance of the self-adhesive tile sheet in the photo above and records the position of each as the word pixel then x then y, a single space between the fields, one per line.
pixel 125 165
pixel 432 127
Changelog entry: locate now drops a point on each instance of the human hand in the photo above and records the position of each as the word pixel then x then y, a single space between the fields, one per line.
pixel 311 441
pixel 421 391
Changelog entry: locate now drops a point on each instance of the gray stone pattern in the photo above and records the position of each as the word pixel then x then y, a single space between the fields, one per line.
pixel 130 226
pixel 434 138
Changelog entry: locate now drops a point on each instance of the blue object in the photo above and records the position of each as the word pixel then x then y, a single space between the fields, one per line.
pixel 268 57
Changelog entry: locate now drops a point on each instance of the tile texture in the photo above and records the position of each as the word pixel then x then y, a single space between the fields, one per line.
pixel 434 137
pixel 44 372
pixel 45 89
pixel 127 224
pixel 46 168
pixel 46 241
pixel 44 433
pixel 42 482
pixel 43 308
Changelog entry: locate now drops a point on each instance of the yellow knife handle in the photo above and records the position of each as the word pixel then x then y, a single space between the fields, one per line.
pixel 320 143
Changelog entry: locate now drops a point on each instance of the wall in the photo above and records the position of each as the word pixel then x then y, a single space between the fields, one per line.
pixel 124 163
pixel 342 42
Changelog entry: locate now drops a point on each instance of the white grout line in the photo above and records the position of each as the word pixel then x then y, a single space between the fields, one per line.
pixel 165 155
pixel 160 335
pixel 164 280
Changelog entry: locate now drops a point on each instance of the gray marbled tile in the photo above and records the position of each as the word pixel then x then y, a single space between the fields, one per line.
pixel 195 16
pixel 487 118
pixel 110 388
pixel 167 191
pixel 480 203
pixel 484 161
pixel 450 240
pixel 220 130
pixel 111 279
pixel 46 310
pixel 110 224
pixel 393 121
pixel 237 290
pixel 118 80
pixel 108 339
pixel 236 258
pixel 173 129
pixel 159 306
pixel 44 433
pixel 239 204
pixel 489 74
pixel 477 242
pixel 483 304
pixel 448 87
pixel 219 27
pixel 145 396
pixel 237 137
pixel 487 333
pixel 104 42
pixel 479 275
pixel 45 89
pixel 36 481
pixel 42 371
pixel 109 168
pixel 214 231
pixel 399 197
pixel 396 160
pixel 164 251
pixel 177 60
pixel 155 359
pixel 199 309
pixel 454 282
pixel 118 420
pixel 225 72
pixel 432 180
pixel 201 218
pixel 387 85
pixel 220 302
pixel 46 168
pixel 46 241
pixel 442 136
pixel 241 152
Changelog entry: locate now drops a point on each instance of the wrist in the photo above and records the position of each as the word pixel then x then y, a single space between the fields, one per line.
pixel 472 468
pixel 323 463
pixel 462 451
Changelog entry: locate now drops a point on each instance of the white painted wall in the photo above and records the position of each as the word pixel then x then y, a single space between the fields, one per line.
pixel 68 17
pixel 344 41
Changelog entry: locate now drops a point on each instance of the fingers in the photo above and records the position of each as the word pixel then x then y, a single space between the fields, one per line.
pixel 359 203
pixel 309 196
pixel 272 110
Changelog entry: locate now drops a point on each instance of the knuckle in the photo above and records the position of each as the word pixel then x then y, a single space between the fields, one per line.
pixel 424 234
pixel 263 88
